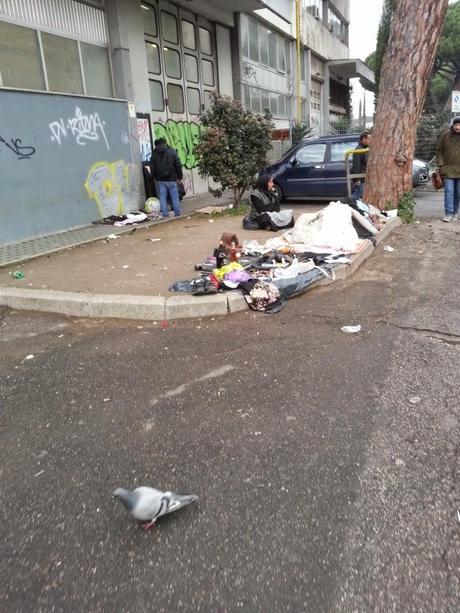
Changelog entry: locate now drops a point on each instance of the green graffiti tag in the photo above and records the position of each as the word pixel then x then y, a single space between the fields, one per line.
pixel 182 136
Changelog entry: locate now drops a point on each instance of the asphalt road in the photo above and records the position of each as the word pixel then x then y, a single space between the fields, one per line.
pixel 327 464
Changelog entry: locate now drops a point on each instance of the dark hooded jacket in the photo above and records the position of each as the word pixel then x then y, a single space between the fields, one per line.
pixel 359 165
pixel 262 199
pixel 165 164
pixel 448 153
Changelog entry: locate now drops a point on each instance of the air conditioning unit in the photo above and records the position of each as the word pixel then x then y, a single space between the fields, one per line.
pixel 316 14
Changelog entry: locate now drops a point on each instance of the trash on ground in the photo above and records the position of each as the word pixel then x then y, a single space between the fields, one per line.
pixel 154 240
pixel 106 400
pixel 211 220
pixel 125 266
pixel 351 329
pixel 29 357
pixel 458 516
pixel 39 473
pixel 112 237
pixel 414 399
pixel 17 274
pixel 388 248
pixel 399 462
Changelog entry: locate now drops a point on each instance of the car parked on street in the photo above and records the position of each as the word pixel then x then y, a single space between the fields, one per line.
pixel 314 169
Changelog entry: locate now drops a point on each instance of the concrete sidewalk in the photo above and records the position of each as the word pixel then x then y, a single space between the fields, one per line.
pixel 129 277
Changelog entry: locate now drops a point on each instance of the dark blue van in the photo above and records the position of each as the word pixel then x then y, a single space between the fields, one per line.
pixel 314 169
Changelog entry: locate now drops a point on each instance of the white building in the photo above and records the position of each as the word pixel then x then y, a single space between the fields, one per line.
pixel 86 86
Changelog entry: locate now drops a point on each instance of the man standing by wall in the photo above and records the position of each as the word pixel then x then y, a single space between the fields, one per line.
pixel 167 171
pixel 448 160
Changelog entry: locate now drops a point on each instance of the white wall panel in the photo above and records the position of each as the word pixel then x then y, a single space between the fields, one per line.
pixel 60 16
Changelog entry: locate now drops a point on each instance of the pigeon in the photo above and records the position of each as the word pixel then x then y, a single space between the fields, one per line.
pixel 146 504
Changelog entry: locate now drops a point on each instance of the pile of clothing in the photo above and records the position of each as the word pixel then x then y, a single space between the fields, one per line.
pixel 269 274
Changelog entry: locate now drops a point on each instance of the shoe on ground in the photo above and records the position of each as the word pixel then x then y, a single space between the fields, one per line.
pixel 447 218
pixel 455 217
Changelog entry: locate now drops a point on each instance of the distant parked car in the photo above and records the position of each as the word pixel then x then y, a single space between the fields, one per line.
pixel 315 169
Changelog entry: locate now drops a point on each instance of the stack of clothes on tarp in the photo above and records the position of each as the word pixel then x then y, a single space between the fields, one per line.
pixel 269 274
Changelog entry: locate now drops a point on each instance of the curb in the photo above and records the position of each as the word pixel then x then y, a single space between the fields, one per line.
pixel 161 308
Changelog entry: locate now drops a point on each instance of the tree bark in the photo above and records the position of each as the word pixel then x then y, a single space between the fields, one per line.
pixel 407 66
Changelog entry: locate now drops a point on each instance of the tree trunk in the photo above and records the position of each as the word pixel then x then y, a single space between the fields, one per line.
pixel 407 66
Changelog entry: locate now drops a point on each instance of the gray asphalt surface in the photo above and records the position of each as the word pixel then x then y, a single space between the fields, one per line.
pixel 322 487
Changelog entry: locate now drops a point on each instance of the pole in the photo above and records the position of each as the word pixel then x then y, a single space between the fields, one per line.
pixel 298 60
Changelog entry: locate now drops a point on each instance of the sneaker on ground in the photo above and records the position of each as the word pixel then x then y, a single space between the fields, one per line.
pixel 447 218
pixel 455 217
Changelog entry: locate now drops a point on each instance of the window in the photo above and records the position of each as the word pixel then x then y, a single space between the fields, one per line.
pixel 20 64
pixel 253 41
pixel 244 36
pixel 281 105
pixel 188 34
pixel 149 17
pixel 247 98
pixel 338 150
pixel 274 104
pixel 175 98
pixel 263 45
pixel 338 27
pixel 207 70
pixel 265 101
pixel 169 27
pixel 156 96
pixel 208 98
pixel 96 69
pixel 255 100
pixel 205 41
pixel 153 57
pixel 62 64
pixel 315 8
pixel 172 63
pixel 311 154
pixel 281 56
pixel 287 47
pixel 272 53
pixel 191 68
pixel 193 98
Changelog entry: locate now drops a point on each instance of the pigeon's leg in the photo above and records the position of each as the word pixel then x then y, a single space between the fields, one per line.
pixel 148 525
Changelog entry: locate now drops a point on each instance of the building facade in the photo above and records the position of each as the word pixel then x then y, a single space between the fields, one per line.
pixel 87 86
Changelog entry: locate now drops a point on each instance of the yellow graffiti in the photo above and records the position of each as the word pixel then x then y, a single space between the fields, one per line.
pixel 108 184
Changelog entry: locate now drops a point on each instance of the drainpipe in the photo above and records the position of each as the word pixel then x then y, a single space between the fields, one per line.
pixel 298 59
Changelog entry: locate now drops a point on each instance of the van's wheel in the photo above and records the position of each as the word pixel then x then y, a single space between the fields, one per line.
pixel 279 192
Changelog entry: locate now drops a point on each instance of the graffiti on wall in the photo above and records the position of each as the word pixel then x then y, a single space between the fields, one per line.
pixel 182 136
pixel 112 185
pixel 145 144
pixel 22 152
pixel 82 127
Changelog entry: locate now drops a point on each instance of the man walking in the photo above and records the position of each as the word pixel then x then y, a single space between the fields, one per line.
pixel 167 171
pixel 448 161
pixel 359 167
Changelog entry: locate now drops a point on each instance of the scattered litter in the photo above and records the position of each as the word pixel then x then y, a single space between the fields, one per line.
pixel 112 237
pixel 106 400
pixel 211 220
pixel 125 266
pixel 414 399
pixel 154 240
pixel 17 274
pixel 399 462
pixel 388 248
pixel 39 473
pixel 29 357
pixel 60 335
pixel 392 213
pixel 351 329
pixel 458 516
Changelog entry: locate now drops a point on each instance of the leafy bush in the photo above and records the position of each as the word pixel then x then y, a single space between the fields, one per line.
pixel 233 146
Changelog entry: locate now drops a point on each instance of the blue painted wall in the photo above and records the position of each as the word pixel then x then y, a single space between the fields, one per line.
pixel 65 161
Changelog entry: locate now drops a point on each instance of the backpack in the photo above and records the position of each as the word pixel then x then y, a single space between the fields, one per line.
pixel 163 165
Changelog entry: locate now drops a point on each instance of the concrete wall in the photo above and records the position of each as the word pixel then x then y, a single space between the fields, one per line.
pixel 342 7
pixel 66 161
pixel 318 38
